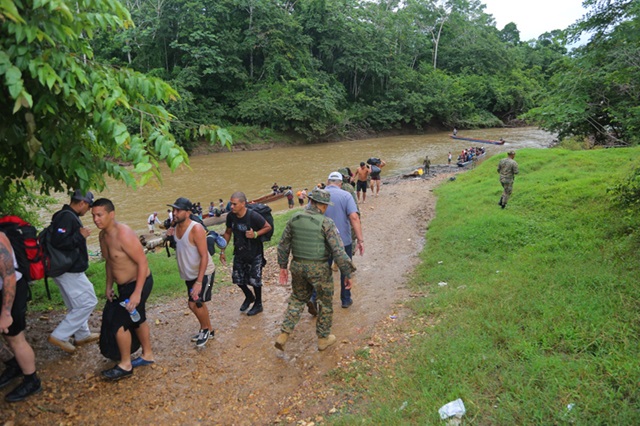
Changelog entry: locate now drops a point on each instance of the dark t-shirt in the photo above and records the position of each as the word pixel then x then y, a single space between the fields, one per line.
pixel 244 247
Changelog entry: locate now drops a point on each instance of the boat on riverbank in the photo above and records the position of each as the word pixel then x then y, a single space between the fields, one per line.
pixel 215 220
pixel 269 198
pixel 476 158
pixel 492 142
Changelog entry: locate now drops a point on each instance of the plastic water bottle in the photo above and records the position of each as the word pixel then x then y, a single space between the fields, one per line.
pixel 135 315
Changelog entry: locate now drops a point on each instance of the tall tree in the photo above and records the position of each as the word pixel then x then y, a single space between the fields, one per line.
pixel 68 120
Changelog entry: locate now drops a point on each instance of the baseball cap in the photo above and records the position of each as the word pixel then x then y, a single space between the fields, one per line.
pixel 78 195
pixel 335 176
pixel 321 196
pixel 181 203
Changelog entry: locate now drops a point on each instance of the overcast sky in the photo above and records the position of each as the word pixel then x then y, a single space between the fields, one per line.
pixel 534 17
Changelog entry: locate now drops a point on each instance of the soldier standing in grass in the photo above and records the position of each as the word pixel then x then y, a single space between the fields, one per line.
pixel 312 238
pixel 507 168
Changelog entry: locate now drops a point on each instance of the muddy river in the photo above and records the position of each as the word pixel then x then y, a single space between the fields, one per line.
pixel 216 176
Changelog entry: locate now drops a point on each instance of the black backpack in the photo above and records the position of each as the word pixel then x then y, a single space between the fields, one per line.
pixel 264 211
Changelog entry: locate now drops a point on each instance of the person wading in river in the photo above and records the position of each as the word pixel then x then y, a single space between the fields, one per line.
pixel 507 168
pixel 248 254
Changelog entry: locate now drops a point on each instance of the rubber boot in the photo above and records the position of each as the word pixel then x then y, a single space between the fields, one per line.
pixel 257 306
pixel 249 298
pixel 325 342
pixel 281 340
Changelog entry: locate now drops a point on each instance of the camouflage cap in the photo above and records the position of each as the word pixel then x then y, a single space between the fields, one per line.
pixel 321 196
pixel 511 152
pixel 344 172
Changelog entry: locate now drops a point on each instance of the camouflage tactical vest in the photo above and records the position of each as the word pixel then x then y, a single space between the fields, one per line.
pixel 308 241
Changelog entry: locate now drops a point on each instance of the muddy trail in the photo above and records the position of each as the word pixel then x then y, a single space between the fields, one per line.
pixel 239 378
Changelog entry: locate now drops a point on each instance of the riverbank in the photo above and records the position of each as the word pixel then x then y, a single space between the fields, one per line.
pixel 240 378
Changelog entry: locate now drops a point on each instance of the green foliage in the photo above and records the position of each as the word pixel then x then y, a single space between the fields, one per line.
pixel 626 193
pixel 306 105
pixel 70 120
pixel 322 68
pixel 595 94
pixel 540 309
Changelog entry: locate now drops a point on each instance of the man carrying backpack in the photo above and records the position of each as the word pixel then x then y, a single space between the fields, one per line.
pixel 247 226
pixel 78 294
pixel 14 291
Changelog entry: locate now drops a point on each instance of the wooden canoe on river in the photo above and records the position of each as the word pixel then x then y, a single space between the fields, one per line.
pixel 268 198
pixel 476 158
pixel 500 142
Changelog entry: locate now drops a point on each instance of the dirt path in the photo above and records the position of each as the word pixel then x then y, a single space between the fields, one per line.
pixel 239 378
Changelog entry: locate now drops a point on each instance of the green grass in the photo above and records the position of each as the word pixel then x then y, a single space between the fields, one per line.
pixel 166 280
pixel 541 307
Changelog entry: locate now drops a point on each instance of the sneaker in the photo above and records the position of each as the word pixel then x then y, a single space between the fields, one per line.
pixel 202 338
pixel 65 345
pixel 197 336
pixel 325 342
pixel 9 375
pixel 93 337
pixel 24 389
pixel 257 308
pixel 116 373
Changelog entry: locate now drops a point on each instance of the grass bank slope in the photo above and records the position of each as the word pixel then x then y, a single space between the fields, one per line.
pixel 539 319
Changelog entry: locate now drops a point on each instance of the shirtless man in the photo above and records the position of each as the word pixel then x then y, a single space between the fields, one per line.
pixel 362 173
pixel 126 265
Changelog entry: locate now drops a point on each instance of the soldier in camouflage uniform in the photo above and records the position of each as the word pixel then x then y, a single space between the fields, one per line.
pixel 311 238
pixel 507 168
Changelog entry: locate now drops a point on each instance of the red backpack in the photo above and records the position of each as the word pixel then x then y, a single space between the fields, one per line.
pixel 24 240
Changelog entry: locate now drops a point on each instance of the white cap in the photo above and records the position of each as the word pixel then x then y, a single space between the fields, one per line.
pixel 335 176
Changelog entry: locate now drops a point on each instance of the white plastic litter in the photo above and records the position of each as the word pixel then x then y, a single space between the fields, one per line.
pixel 452 409
pixel 403 406
pixel 442 284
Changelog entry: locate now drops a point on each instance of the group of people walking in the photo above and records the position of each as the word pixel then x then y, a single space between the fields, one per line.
pixel 328 230
pixel 315 237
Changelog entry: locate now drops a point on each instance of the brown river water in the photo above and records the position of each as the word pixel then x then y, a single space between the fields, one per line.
pixel 218 175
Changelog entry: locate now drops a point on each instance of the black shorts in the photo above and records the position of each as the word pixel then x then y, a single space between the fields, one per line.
pixel 361 186
pixel 19 308
pixel 207 286
pixel 124 292
pixel 248 272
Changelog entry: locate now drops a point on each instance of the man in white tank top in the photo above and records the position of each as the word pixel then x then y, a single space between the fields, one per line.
pixel 195 265
pixel 13 294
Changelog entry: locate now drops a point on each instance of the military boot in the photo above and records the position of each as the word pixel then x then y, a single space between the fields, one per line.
pixel 325 342
pixel 281 340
